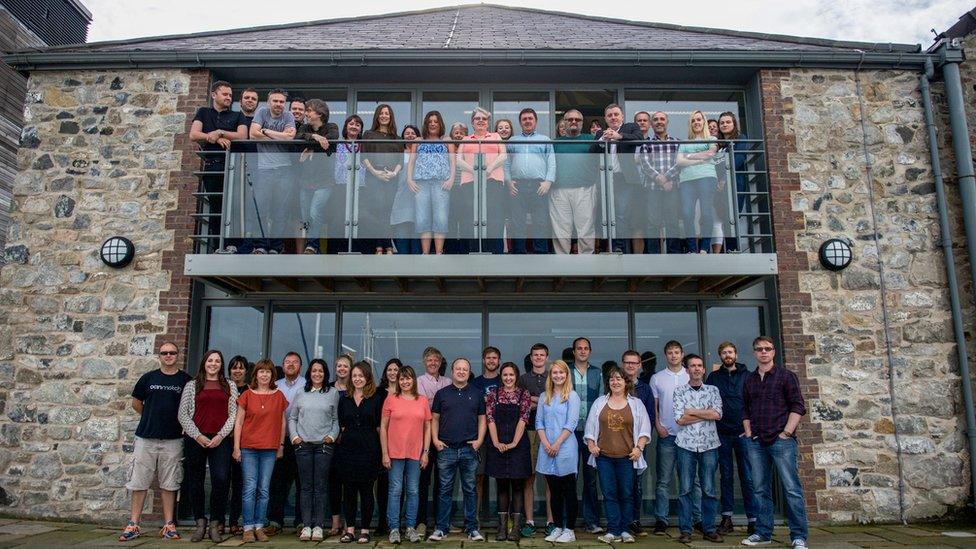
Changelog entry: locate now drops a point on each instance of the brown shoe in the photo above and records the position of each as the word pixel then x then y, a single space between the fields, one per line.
pixel 685 537
pixel 260 534
pixel 273 529
pixel 713 537
pixel 725 527
pixel 216 532
pixel 248 536
pixel 200 532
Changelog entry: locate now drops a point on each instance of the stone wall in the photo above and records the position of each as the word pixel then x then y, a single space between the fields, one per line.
pixel 848 335
pixel 98 158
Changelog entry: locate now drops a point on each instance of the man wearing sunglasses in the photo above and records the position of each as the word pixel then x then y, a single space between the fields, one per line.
pixel 771 409
pixel 158 448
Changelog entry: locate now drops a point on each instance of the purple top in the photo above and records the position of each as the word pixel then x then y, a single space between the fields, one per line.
pixel 767 402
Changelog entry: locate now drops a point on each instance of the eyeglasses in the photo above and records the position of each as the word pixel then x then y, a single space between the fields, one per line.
pixel 573 119
pixel 632 363
pixel 476 118
pixel 168 353
pixel 763 349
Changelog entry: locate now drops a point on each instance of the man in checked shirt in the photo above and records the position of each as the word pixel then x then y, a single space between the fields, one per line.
pixel 656 160
pixel 771 409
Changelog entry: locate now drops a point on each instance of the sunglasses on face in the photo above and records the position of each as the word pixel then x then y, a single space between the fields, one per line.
pixel 763 349
pixel 167 353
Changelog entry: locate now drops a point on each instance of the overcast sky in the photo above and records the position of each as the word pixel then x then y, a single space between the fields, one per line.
pixel 901 21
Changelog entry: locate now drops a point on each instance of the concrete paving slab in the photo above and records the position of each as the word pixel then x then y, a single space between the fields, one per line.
pixel 26 528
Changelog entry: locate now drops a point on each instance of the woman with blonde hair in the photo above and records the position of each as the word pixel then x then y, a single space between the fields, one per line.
pixel 697 182
pixel 555 421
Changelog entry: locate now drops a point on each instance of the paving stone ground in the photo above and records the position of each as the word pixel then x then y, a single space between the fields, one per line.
pixel 25 533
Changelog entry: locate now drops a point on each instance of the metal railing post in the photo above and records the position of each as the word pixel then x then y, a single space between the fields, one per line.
pixel 733 194
pixel 228 187
pixel 611 208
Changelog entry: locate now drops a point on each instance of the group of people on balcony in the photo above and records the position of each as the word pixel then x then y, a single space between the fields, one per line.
pixel 416 186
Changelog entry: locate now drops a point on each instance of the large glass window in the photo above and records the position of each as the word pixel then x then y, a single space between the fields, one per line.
pixel 507 105
pixel 654 327
pixel 740 325
pixel 311 334
pixel 455 106
pixel 679 104
pixel 235 331
pixel 376 336
pixel 400 102
pixel 335 98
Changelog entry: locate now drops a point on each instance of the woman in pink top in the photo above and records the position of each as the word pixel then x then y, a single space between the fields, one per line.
pixel 405 439
pixel 473 158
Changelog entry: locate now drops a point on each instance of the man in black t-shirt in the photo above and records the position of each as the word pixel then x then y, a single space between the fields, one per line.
pixel 214 127
pixel 158 448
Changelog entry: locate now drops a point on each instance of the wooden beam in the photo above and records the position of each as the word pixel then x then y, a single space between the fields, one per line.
pixel 441 285
pixel 632 283
pixel 325 283
pixel 290 283
pixel 519 285
pixel 713 284
pixel 734 285
pixel 557 283
pixel 481 285
pixel 673 283
pixel 241 284
pixel 404 284
pixel 365 284
pixel 598 283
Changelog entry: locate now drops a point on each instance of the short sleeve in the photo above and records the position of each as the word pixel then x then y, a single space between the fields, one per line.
pixel 436 406
pixel 139 392
pixel 481 406
pixel 259 117
pixel 243 400
pixel 525 406
pixel 654 390
pixel 388 407
pixel 289 120
pixel 489 403
pixel 427 415
pixel 199 116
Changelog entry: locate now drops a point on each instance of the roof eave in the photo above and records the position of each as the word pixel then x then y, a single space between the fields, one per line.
pixel 37 61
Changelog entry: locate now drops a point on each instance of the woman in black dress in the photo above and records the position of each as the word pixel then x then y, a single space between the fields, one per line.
pixel 358 452
pixel 508 456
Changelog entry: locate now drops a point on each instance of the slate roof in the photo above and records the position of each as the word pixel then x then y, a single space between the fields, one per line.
pixel 479 27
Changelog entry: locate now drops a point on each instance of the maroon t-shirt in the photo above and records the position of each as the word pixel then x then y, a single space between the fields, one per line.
pixel 210 413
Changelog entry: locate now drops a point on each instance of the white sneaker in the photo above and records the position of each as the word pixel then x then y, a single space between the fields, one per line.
pixel 306 534
pixel 437 536
pixel 556 532
pixel 595 529
pixel 568 536
pixel 395 536
pixel 475 535
pixel 413 536
pixel 228 250
pixel 627 538
pixel 317 533
pixel 755 539
pixel 800 542
pixel 609 538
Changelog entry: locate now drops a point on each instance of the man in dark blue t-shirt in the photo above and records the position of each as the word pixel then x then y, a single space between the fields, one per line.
pixel 158 448
pixel 457 432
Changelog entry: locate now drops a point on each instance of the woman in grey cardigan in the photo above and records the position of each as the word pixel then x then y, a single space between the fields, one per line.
pixel 208 409
pixel 314 426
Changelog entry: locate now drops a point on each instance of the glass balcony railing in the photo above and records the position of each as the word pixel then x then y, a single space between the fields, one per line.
pixel 476 197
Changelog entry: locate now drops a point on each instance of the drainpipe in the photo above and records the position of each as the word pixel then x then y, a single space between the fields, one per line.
pixel 958 130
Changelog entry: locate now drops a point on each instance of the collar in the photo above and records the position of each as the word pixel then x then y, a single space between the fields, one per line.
pixel 530 134
pixel 667 137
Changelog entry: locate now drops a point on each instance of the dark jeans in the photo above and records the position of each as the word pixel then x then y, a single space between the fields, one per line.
pixel 701 465
pixel 236 492
pixel 781 457
pixel 626 217
pixel 528 204
pixel 313 461
pixel 382 499
pixel 404 241
pixel 663 209
pixel 639 493
pixel 562 497
pixel 195 461
pixel 667 460
pixel 361 493
pixel 285 474
pixel 335 493
pixel 462 219
pixel 591 505
pixel 617 482
pixel 460 463
pixel 734 445
pixel 429 476
pixel 375 203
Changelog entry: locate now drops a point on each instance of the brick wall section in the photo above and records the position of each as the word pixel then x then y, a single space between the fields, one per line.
pixel 175 302
pixel 796 345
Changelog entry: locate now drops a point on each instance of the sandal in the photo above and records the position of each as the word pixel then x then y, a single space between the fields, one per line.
pixel 335 531
pixel 236 530
pixel 363 537
pixel 347 538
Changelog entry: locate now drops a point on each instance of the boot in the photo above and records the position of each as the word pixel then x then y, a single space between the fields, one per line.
pixel 516 533
pixel 502 527
pixel 215 532
pixel 201 531
pixel 725 527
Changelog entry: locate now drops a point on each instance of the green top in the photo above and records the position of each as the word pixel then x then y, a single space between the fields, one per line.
pixel 576 166
pixel 697 171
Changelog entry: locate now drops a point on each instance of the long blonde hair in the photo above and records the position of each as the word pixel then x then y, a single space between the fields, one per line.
pixel 551 387
pixel 691 125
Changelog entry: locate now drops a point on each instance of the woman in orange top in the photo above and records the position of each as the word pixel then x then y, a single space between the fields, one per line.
pixel 491 157
pixel 259 435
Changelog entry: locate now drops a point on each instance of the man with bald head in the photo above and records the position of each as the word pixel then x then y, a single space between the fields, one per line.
pixel 573 196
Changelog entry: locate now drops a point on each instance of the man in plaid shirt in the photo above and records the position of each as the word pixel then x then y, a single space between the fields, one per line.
pixel 659 172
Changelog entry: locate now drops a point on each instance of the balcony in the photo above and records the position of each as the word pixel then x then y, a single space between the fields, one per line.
pixel 349 220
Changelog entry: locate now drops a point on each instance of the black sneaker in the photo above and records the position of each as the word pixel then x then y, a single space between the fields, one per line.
pixel 685 537
pixel 725 527
pixel 698 528
pixel 636 529
pixel 660 528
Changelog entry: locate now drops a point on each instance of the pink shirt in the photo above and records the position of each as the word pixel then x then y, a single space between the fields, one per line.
pixel 491 151
pixel 405 433
pixel 428 386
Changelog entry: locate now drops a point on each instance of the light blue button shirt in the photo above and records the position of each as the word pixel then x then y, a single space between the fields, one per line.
pixel 553 418
pixel 534 160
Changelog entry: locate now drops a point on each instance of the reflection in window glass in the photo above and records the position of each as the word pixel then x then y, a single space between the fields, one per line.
pixel 740 325
pixel 236 331
pixel 310 334
pixel 453 106
pixel 400 102
pixel 508 105
pixel 657 327
pixel 679 105
pixel 378 336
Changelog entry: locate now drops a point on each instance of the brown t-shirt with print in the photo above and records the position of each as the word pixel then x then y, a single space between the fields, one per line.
pixel 616 438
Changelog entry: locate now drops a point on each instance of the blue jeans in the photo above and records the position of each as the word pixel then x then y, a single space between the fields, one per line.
pixel 314 203
pixel 462 462
pixel 702 191
pixel 701 465
pixel 529 205
pixel 314 461
pixel 257 466
pixel 666 462
pixel 433 206
pixel 400 470
pixel 780 455
pixel 735 445
pixel 639 492
pixel 591 505
pixel 617 481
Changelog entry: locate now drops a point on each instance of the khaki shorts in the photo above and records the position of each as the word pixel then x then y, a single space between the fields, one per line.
pixel 534 447
pixel 153 458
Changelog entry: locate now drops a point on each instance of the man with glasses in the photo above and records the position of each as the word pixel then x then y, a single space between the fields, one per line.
pixel 572 202
pixel 158 447
pixel 771 409
pixel 631 361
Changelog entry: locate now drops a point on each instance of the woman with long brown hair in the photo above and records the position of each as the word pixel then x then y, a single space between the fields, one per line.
pixel 208 409
pixel 430 177
pixel 358 450
pixel 383 163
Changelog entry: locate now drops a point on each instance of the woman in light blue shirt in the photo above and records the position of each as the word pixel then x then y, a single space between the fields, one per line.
pixel 555 421
pixel 697 182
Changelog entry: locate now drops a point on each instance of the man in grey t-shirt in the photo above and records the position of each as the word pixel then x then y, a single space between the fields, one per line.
pixel 273 189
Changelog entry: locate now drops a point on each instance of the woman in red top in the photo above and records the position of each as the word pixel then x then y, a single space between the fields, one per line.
pixel 259 437
pixel 207 412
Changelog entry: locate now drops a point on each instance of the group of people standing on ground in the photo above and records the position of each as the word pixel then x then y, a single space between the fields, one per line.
pixel 416 191
pixel 260 430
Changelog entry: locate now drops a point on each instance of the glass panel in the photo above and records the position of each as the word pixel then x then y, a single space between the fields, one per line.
pixel 236 331
pixel 679 104
pixel 377 336
pixel 507 105
pixel 336 99
pixel 655 327
pixel 310 334
pixel 401 102
pixel 453 106
pixel 590 102
pixel 740 325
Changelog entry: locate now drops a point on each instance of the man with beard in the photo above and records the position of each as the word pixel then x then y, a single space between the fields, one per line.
pixel 273 188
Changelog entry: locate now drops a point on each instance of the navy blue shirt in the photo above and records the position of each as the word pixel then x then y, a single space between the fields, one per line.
pixel 459 410
pixel 729 385
pixel 486 384
pixel 645 394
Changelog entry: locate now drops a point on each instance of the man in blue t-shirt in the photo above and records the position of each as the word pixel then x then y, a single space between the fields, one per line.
pixel 458 430
pixel 158 448
pixel 275 203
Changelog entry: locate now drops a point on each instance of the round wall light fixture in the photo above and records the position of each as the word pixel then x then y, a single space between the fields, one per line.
pixel 836 254
pixel 117 252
